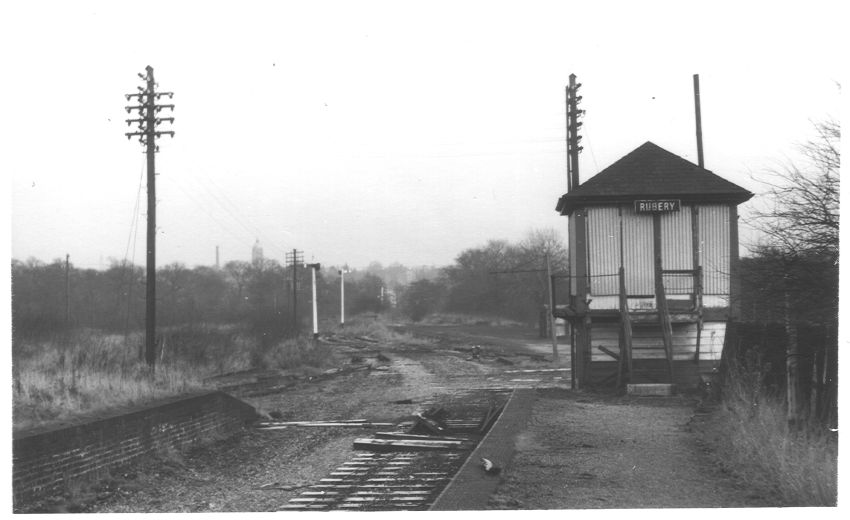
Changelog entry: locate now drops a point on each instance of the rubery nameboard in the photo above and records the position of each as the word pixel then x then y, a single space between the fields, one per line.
pixel 658 206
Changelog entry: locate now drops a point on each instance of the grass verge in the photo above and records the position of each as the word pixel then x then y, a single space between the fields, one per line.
pixel 91 371
pixel 752 440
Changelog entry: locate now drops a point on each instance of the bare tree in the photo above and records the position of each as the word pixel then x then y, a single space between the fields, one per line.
pixel 801 225
pixel 803 209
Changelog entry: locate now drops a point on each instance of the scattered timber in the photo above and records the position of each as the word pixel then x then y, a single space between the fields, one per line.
pixel 384 445
pixel 355 423
pixel 413 437
pixel 534 370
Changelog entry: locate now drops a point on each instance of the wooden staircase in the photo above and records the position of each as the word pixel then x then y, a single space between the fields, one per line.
pixel 650 369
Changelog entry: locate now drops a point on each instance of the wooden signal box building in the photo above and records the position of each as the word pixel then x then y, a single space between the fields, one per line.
pixel 653 243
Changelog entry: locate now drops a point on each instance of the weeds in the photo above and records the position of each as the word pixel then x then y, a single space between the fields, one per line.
pixel 754 441
pixel 91 371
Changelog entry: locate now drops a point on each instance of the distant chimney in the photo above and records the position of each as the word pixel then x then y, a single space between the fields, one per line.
pixel 257 254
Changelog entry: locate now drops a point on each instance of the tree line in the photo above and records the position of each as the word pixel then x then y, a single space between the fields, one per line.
pixel 498 279
pixel 48 298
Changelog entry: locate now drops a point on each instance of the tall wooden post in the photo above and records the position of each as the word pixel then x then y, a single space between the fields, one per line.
pixel 293 259
pixel 661 296
pixel 67 291
pixel 552 323
pixel 148 121
pixel 578 227
pixel 150 284
pixel 698 121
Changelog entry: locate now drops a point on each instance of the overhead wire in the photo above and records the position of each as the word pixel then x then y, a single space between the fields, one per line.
pixel 239 237
pixel 134 221
pixel 221 201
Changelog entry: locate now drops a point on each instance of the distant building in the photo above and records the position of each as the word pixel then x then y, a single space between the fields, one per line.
pixel 257 254
pixel 654 264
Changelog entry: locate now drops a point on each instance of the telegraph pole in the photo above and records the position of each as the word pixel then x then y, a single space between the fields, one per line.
pixel 580 335
pixel 67 291
pixel 698 116
pixel 293 259
pixel 148 121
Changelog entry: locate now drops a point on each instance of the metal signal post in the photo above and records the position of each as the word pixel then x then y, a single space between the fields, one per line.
pixel 148 122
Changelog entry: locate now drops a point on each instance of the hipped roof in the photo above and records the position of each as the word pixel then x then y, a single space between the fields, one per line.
pixel 650 171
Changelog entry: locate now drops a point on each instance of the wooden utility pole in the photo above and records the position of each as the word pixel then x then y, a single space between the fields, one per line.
pixel 148 121
pixel 580 345
pixel 293 259
pixel 700 162
pixel 67 291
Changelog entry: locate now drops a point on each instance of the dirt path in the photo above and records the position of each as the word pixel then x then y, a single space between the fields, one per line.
pixel 587 452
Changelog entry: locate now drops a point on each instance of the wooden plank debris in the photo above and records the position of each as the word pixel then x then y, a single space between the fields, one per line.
pixel 429 424
pixel 383 445
pixel 534 370
pixel 340 424
pixel 411 436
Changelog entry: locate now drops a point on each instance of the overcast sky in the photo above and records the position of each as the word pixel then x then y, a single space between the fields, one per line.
pixel 390 131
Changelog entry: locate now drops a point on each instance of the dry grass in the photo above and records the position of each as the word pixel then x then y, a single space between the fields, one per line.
pixel 58 380
pixel 376 328
pixel 467 319
pixel 754 441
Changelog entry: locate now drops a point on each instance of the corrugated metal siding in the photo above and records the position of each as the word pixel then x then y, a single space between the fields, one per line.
pixel 677 250
pixel 638 260
pixel 603 240
pixel 714 248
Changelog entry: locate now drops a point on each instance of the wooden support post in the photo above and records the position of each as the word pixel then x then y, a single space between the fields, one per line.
pixel 695 246
pixel 661 296
pixel 625 327
pixel 580 302
pixel 551 313
pixel 698 309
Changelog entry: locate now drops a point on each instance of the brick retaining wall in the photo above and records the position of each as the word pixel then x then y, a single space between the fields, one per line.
pixel 48 461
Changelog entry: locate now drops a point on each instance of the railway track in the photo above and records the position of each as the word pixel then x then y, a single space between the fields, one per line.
pixel 396 476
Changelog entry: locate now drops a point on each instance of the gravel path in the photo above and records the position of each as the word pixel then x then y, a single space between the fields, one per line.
pixel 581 451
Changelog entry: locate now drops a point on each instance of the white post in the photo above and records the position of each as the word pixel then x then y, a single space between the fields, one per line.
pixel 341 298
pixel 315 314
